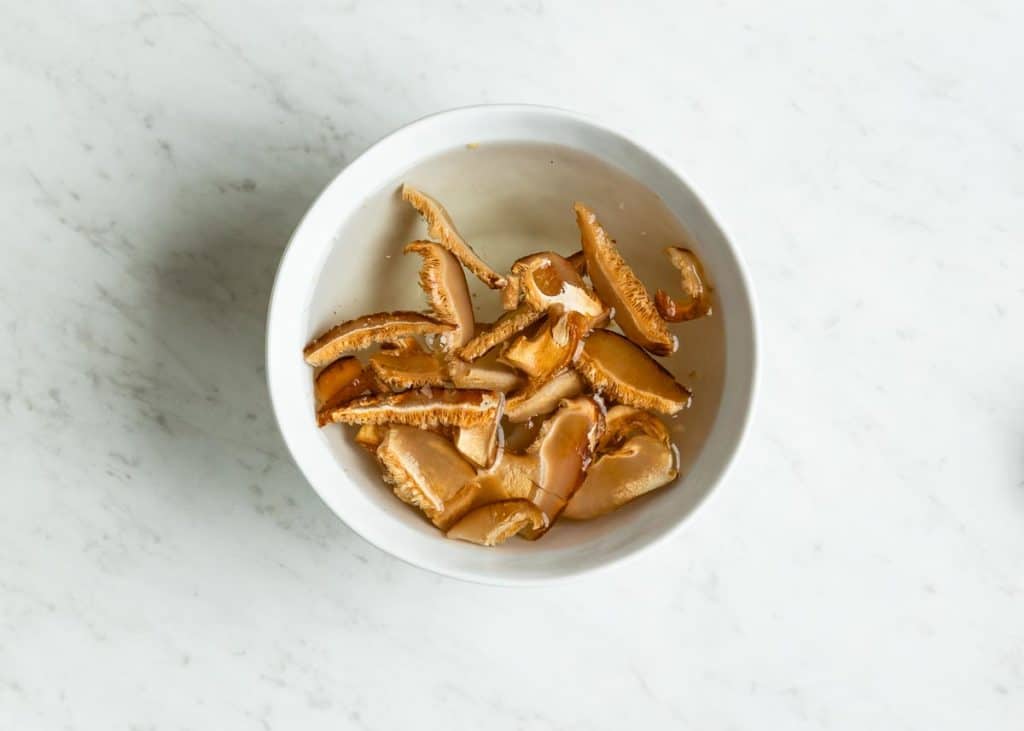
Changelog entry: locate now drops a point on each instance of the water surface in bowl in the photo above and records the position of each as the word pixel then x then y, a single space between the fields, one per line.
pixel 508 200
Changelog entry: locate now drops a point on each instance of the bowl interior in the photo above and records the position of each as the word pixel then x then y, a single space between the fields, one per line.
pixel 509 198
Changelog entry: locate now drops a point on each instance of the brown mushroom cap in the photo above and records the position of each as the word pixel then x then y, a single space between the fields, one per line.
pixel 368 330
pixel 623 372
pixel 642 464
pixel 444 282
pixel 564 449
pixel 620 288
pixel 341 381
pixel 441 227
pixel 542 398
pixel 425 407
pixel 492 524
pixel 550 281
pixel 696 300
pixel 410 369
pixel 423 467
pixel 504 328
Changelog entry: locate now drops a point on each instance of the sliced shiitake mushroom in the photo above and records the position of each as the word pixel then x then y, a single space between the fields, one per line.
pixel 444 282
pixel 696 300
pixel 485 373
pixel 368 330
pixel 341 381
pixel 492 524
pixel 369 436
pixel 620 370
pixel 510 293
pixel 441 227
pixel 551 349
pixel 423 467
pixel 521 434
pixel 511 476
pixel 619 287
pixel 550 281
pixel 564 449
pixel 579 262
pixel 411 369
pixel 423 407
pixel 506 326
pixel 622 423
pixel 543 398
pixel 479 444
pixel 642 464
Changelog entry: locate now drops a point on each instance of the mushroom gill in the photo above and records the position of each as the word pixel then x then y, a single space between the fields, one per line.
pixel 443 281
pixel 423 407
pixel 619 287
pixel 623 372
pixel 441 227
pixel 368 330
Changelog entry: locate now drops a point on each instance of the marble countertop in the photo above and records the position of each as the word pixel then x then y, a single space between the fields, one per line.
pixel 164 566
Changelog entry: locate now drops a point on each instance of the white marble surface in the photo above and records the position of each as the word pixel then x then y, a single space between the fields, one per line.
pixel 164 566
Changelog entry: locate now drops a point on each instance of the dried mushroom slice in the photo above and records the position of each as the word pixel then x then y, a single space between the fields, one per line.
pixel 564 449
pixel 424 407
pixel 488 376
pixel 621 371
pixel 492 524
pixel 622 423
pixel 504 328
pixel 479 444
pixel 510 293
pixel 402 371
pixel 642 464
pixel 443 281
pixel 423 467
pixel 441 227
pixel 540 399
pixel 369 436
pixel 401 346
pixel 619 287
pixel 343 380
pixel 550 281
pixel 511 476
pixel 579 262
pixel 368 330
pixel 550 350
pixel 521 434
pixel 696 300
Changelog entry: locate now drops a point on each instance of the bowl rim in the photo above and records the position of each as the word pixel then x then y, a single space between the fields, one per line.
pixel 643 545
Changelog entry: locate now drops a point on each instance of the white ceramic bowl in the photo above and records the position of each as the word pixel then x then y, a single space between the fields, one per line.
pixel 509 175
